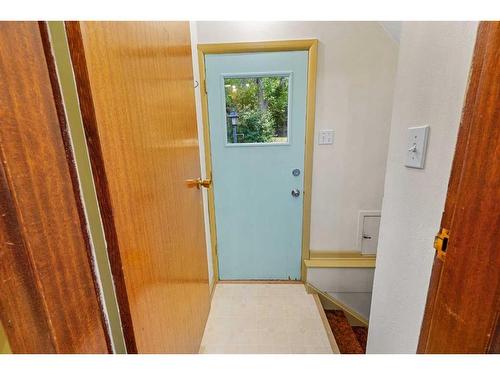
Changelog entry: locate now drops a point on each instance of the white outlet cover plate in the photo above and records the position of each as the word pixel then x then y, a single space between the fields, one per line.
pixel 325 137
pixel 417 141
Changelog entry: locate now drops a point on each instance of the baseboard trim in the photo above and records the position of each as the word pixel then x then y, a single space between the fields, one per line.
pixel 260 282
pixel 339 260
pixel 326 324
pixel 354 318
pixel 212 290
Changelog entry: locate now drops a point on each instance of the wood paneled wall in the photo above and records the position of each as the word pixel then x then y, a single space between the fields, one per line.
pixel 136 90
pixel 48 298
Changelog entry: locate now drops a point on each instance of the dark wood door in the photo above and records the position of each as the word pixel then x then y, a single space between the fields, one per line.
pixel 136 89
pixel 463 302
pixel 48 298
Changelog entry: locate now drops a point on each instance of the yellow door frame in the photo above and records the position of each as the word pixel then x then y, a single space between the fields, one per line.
pixel 310 45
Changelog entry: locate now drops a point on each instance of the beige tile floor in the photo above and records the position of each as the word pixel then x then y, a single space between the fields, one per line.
pixel 264 318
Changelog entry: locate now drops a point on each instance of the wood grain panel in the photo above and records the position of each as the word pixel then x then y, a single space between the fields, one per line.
pixel 464 295
pixel 48 297
pixel 75 44
pixel 136 78
pixel 32 333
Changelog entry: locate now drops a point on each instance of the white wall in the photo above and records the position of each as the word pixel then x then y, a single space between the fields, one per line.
pixel 393 28
pixel 341 279
pixel 356 71
pixel 434 62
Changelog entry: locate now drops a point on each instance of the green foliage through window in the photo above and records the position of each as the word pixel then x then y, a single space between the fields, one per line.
pixel 257 109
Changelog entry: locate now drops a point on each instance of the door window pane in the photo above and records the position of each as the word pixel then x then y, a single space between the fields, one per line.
pixel 257 109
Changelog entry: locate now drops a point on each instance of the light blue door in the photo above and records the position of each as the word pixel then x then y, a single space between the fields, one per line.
pixel 257 117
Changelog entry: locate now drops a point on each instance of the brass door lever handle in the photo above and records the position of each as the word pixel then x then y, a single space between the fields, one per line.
pixel 198 182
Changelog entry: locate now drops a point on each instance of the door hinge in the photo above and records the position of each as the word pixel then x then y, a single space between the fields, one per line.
pixel 205 86
pixel 441 243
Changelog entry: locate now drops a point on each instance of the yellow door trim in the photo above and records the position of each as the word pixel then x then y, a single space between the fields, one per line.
pixel 326 324
pixel 310 45
pixel 340 259
pixel 368 262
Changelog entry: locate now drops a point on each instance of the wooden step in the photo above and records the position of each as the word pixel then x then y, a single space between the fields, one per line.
pixel 346 338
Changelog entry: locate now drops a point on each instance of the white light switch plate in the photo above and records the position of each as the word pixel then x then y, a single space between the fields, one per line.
pixel 417 146
pixel 325 137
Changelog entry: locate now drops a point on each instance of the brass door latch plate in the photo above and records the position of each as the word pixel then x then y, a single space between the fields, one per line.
pixel 441 243
pixel 199 183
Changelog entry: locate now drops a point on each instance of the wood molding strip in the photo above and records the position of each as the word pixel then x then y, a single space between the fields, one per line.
pixel 68 148
pixel 208 161
pixel 76 48
pixel 326 324
pixel 260 282
pixel 340 262
pixel 353 315
pixel 312 64
pixel 264 46
pixel 339 254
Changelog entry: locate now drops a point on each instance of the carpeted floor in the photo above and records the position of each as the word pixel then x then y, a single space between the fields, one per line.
pixel 362 336
pixel 350 340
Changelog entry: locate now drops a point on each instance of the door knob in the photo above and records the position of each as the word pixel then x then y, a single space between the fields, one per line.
pixel 295 193
pixel 198 182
